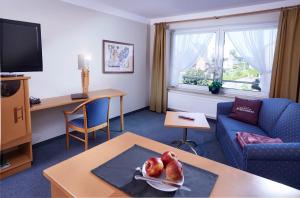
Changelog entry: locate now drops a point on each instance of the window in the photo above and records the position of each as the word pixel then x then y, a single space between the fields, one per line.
pixel 195 56
pixel 240 57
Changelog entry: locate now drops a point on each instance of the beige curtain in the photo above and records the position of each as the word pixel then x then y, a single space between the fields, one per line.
pixel 158 98
pixel 285 81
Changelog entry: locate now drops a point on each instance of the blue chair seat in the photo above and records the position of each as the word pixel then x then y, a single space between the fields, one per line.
pixel 95 113
pixel 79 122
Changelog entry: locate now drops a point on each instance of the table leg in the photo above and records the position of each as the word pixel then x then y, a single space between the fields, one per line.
pixel 178 143
pixel 191 147
pixel 191 144
pixel 57 192
pixel 184 138
pixel 121 114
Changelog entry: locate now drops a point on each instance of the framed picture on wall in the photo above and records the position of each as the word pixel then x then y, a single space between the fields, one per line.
pixel 118 57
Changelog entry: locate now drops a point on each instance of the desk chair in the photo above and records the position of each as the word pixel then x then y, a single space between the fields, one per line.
pixel 95 117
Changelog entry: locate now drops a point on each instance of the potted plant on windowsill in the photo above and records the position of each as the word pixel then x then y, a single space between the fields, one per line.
pixel 215 87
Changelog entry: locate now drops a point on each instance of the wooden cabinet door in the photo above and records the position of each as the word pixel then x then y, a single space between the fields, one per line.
pixel 13 116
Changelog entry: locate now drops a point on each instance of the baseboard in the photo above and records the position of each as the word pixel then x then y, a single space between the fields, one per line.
pixel 61 136
pixel 131 112
pixel 36 145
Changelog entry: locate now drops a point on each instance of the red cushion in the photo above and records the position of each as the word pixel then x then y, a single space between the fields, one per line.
pixel 246 110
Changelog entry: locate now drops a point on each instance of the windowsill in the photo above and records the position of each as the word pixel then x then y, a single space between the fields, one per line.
pixel 228 93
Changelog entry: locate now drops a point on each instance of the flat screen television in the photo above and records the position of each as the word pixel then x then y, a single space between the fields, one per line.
pixel 20 46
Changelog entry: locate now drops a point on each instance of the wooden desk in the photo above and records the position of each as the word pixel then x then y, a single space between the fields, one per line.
pixel 73 177
pixel 66 100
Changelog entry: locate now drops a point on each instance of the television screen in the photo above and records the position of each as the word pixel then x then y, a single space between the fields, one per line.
pixel 20 46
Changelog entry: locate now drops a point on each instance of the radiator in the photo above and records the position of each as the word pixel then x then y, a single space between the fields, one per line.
pixel 196 102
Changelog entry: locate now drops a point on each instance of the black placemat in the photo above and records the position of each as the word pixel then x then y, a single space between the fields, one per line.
pixel 120 172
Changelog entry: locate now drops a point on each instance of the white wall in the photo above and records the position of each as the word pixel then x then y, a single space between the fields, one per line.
pixel 68 30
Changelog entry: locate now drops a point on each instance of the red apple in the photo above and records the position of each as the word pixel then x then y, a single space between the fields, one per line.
pixel 154 167
pixel 174 171
pixel 167 157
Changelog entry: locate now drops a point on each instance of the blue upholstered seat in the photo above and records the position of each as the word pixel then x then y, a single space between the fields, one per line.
pixel 278 118
pixel 231 127
pixel 288 125
pixel 77 122
pixel 235 125
pixel 270 111
pixel 96 111
pixel 95 117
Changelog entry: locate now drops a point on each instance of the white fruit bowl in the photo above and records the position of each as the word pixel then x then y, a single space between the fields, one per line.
pixel 159 186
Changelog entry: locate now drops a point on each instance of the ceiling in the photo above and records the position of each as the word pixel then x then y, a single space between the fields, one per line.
pixel 165 8
pixel 145 10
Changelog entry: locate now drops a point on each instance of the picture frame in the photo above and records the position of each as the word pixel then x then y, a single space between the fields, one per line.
pixel 118 57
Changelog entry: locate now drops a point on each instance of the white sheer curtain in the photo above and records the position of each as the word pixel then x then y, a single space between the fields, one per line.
pixel 257 48
pixel 186 49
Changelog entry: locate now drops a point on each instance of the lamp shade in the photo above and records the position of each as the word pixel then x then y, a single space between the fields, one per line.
pixel 83 61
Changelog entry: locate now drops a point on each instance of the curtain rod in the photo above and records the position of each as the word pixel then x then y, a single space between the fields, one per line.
pixel 233 15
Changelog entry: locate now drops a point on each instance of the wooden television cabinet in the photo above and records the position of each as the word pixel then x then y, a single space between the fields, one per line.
pixel 15 139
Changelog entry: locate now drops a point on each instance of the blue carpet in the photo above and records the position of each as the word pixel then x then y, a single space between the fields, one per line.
pixel 31 183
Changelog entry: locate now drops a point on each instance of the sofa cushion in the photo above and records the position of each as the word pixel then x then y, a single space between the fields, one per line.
pixel 232 126
pixel 270 112
pixel 235 125
pixel 287 127
pixel 246 110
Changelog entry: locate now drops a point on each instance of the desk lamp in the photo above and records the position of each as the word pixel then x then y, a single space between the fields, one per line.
pixel 83 65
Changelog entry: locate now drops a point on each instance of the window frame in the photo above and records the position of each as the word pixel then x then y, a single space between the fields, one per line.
pixel 220 31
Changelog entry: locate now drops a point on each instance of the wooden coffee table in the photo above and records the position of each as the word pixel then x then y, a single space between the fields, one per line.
pixel 172 120
pixel 73 177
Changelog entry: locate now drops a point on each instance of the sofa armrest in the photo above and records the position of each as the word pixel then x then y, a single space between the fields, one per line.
pixel 224 108
pixel 284 151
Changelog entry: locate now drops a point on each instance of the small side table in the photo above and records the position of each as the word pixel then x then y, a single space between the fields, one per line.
pixel 172 120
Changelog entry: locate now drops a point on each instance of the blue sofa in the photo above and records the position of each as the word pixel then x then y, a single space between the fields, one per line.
pixel 278 117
